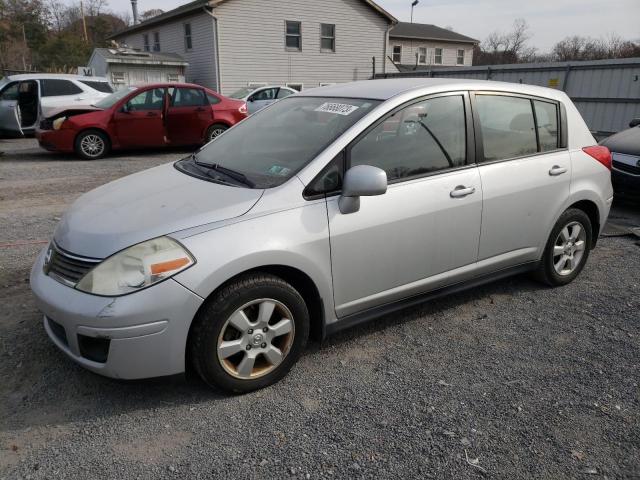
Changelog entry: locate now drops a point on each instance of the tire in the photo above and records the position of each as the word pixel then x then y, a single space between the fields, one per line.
pixel 215 130
pixel 569 246
pixel 92 145
pixel 223 340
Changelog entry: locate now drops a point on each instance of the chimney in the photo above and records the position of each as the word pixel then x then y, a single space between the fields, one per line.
pixel 134 7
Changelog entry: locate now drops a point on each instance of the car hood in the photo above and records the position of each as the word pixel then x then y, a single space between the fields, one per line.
pixel 146 205
pixel 53 113
pixel 626 141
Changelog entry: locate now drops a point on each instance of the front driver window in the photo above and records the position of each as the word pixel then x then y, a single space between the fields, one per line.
pixel 268 94
pixel 419 139
pixel 147 100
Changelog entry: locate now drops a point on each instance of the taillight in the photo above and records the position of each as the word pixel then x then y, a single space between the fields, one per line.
pixel 600 153
pixel 243 108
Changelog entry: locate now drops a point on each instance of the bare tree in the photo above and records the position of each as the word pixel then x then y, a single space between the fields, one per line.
pixel 147 14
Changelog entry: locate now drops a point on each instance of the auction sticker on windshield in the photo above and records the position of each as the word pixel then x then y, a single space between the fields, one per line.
pixel 339 108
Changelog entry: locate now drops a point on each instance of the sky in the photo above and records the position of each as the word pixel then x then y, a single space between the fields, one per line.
pixel 550 20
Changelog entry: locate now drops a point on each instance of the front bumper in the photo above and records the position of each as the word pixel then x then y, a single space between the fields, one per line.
pixel 56 140
pixel 625 184
pixel 144 334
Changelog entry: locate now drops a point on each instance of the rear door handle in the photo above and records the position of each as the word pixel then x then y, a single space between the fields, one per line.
pixel 557 170
pixel 152 114
pixel 462 191
pixel 199 109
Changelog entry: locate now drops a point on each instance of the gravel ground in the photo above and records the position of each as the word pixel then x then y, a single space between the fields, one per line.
pixel 510 380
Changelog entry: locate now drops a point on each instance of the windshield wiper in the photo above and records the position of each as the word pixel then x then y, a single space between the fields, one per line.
pixel 235 175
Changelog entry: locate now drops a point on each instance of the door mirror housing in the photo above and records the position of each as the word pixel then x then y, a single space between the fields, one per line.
pixel 361 181
pixel 125 108
pixel 634 123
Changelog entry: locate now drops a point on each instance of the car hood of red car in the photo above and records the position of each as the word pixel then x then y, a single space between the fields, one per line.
pixel 147 205
pixel 70 112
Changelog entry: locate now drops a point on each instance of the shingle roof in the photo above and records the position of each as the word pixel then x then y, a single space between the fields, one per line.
pixel 425 31
pixel 190 7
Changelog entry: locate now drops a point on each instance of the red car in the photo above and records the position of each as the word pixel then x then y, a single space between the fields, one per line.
pixel 148 116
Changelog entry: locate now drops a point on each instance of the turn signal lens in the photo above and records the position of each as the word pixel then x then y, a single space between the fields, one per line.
pixel 600 153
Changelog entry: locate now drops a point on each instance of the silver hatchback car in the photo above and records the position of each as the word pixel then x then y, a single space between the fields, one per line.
pixel 320 212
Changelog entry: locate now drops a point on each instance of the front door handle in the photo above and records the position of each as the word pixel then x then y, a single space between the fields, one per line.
pixel 557 170
pixel 462 191
pixel 152 114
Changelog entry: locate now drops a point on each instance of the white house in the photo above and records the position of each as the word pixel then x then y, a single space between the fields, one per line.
pixel 230 44
pixel 417 46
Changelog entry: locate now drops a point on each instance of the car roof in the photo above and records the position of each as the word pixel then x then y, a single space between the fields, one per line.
pixel 53 76
pixel 168 84
pixel 384 89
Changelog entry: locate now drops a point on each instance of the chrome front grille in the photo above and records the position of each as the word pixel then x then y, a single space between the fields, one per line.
pixel 66 267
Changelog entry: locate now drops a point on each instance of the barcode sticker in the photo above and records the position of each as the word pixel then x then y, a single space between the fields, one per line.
pixel 338 108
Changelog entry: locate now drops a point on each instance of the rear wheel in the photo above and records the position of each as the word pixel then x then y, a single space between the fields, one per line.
pixel 567 249
pixel 214 131
pixel 92 144
pixel 250 334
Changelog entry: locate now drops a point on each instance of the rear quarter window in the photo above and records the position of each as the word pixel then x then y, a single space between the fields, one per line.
pixel 103 87
pixel 57 87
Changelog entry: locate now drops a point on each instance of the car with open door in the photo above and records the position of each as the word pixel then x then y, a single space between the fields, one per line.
pixel 259 97
pixel 327 209
pixel 157 115
pixel 26 99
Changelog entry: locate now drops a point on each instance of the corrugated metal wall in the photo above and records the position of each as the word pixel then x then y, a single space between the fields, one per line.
pixel 607 92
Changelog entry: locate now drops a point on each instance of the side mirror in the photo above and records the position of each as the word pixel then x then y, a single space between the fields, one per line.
pixel 125 108
pixel 361 181
pixel 250 99
pixel 634 123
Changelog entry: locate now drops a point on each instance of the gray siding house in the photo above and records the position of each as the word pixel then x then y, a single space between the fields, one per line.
pixel 418 46
pixel 230 44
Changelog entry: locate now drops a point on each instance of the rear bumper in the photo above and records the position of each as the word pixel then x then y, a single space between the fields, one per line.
pixel 56 140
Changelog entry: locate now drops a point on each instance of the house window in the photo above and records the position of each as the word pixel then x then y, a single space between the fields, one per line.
pixel 437 58
pixel 173 78
pixel 422 55
pixel 293 36
pixel 397 53
pixel 460 57
pixel 156 41
pixel 327 37
pixel 188 44
pixel 145 41
pixel 295 86
pixel 117 78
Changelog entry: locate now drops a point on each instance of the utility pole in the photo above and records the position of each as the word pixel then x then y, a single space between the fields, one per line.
pixel 84 23
pixel 415 2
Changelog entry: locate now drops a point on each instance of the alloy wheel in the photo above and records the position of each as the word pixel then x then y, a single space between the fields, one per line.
pixel 216 132
pixel 92 145
pixel 569 248
pixel 255 339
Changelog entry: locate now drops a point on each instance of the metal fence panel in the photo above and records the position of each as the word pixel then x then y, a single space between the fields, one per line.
pixel 606 92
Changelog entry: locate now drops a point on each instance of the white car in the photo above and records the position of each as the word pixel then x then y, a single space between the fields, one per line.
pixel 24 99
pixel 259 97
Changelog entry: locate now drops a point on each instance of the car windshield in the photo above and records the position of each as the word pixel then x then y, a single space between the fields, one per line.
pixel 243 92
pixel 111 100
pixel 271 146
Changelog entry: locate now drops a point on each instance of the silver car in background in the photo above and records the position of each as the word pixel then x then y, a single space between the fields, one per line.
pixel 259 97
pixel 318 213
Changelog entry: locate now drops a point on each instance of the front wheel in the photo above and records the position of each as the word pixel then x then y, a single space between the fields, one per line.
pixel 250 334
pixel 567 249
pixel 92 145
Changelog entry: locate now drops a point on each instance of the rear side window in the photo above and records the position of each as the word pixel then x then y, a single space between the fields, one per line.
pixel 515 126
pixel 56 87
pixel 283 93
pixel 103 87
pixel 188 97
pixel 547 121
pixel 416 140
pixel 213 100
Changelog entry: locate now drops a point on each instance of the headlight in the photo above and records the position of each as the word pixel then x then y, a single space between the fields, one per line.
pixel 57 123
pixel 137 267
